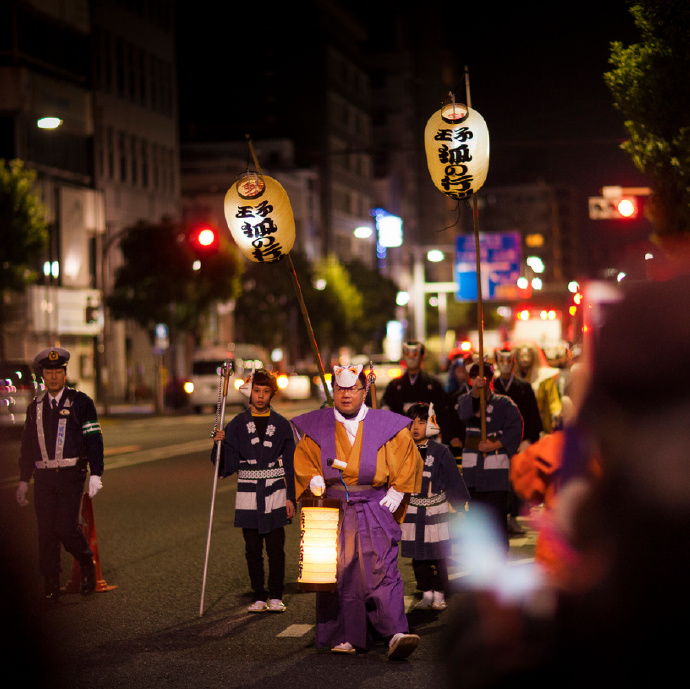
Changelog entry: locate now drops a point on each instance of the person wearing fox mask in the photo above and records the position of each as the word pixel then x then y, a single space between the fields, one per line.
pixel 367 459
pixel 425 531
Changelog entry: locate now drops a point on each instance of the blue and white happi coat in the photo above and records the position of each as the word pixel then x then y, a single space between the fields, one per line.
pixel 265 474
pixel 425 530
pixel 490 471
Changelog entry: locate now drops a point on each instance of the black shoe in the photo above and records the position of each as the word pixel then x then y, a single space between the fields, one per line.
pixel 52 590
pixel 88 578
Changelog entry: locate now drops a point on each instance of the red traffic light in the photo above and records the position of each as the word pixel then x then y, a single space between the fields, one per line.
pixel 627 206
pixel 204 239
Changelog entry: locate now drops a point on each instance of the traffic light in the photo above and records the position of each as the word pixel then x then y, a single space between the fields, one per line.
pixel 622 208
pixel 204 239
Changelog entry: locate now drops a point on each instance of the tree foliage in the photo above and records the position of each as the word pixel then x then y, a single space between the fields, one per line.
pixel 350 308
pixel 378 307
pixel 649 83
pixel 23 225
pixel 158 284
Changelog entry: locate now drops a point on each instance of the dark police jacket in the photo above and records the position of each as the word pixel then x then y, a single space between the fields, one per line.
pixel 82 433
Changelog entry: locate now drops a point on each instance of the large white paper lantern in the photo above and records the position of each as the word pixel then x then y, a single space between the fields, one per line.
pixel 260 218
pixel 457 150
pixel 318 550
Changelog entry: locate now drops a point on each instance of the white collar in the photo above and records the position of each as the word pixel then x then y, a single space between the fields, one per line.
pixel 57 397
pixel 352 424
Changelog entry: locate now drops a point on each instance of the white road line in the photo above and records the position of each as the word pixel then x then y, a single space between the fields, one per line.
pixel 296 630
pixel 154 454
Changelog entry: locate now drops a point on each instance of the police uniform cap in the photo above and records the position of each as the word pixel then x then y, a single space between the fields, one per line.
pixel 52 357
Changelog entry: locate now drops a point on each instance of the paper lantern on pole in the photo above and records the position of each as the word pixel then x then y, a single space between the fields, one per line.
pixel 259 215
pixel 457 150
pixel 318 550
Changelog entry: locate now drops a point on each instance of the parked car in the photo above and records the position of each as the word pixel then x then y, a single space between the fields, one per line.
pixel 203 387
pixel 295 386
pixel 385 370
pixel 17 388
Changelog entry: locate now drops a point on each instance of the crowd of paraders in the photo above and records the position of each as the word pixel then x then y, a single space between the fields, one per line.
pixel 590 455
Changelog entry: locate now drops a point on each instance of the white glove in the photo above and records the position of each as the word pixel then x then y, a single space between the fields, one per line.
pixel 392 499
pixel 95 484
pixel 317 486
pixel 22 489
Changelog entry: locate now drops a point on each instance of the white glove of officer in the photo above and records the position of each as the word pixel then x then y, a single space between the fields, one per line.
pixel 392 499
pixel 317 486
pixel 95 484
pixel 22 489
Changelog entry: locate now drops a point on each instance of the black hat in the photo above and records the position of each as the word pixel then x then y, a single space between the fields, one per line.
pixel 53 357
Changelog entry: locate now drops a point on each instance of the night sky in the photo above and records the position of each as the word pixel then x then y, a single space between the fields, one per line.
pixel 535 76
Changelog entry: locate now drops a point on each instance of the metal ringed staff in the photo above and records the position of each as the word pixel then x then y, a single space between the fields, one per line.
pixel 225 373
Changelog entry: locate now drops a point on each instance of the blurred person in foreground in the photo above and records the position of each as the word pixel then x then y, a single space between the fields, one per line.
pixel 62 439
pixel 258 446
pixel 620 621
pixel 377 466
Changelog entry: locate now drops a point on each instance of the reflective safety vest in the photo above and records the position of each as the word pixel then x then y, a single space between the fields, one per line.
pixel 59 461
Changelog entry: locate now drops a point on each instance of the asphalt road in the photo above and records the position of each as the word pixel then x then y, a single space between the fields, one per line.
pixel 152 519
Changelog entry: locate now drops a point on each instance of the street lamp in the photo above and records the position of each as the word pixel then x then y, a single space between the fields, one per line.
pixel 48 122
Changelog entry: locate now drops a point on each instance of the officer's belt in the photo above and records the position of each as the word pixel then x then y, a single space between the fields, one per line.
pixel 57 463
pixel 257 474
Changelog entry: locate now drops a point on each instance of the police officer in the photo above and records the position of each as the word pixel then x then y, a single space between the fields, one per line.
pixel 61 437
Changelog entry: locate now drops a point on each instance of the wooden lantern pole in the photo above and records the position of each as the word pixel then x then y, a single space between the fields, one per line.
pixel 300 298
pixel 480 306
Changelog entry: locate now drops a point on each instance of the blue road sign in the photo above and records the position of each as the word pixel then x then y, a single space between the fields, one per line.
pixel 499 254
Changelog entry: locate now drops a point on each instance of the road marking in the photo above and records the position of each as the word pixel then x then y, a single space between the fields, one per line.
pixel 157 453
pixel 296 630
pixel 108 451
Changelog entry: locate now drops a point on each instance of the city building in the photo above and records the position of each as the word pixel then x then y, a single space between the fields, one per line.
pixel 105 71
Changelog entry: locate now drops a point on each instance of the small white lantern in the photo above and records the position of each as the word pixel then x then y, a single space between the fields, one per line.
pixel 457 150
pixel 318 550
pixel 260 218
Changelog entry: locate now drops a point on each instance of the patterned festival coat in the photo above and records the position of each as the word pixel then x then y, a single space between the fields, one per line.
pixel 425 531
pixel 265 474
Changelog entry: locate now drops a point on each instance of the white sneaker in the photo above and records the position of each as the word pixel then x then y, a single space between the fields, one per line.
pixel 426 601
pixel 439 601
pixel 276 605
pixel 402 645
pixel 258 606
pixel 345 647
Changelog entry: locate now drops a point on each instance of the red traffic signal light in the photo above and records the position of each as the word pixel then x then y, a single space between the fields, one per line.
pixel 622 207
pixel 204 239
pixel 626 207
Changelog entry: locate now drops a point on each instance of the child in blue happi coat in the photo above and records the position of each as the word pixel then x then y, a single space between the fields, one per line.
pixel 425 530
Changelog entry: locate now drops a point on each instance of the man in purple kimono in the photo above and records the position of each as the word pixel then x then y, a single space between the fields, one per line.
pixel 380 467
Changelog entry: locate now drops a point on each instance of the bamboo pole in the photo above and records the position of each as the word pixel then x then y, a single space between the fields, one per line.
pixel 300 298
pixel 480 305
